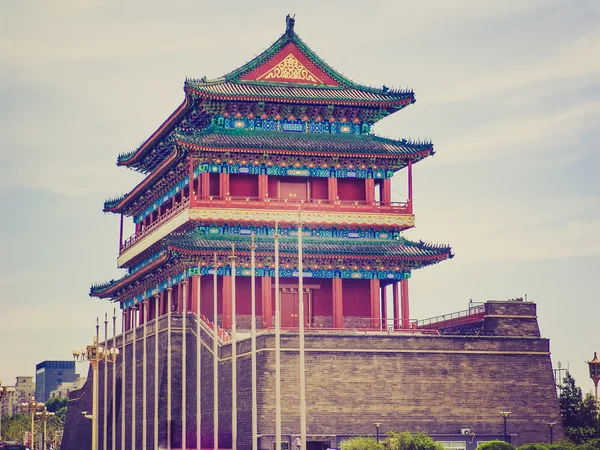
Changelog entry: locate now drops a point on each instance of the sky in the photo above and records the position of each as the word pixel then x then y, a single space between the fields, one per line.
pixel 509 93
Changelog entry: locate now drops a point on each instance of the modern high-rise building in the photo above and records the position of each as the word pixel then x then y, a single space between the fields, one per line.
pixel 49 374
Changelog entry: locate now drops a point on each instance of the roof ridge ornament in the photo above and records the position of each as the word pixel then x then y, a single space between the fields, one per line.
pixel 289 24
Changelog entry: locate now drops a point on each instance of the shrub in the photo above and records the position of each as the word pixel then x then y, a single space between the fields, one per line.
pixel 495 445
pixel 408 441
pixel 361 443
pixel 533 447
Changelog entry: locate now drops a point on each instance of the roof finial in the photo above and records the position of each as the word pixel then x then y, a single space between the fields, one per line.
pixel 289 23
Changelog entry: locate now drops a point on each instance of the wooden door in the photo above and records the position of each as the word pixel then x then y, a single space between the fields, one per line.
pixel 290 308
pixel 294 189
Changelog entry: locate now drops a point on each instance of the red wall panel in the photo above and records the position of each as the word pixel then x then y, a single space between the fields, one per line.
pixel 356 295
pixel 351 189
pixel 318 188
pixel 243 185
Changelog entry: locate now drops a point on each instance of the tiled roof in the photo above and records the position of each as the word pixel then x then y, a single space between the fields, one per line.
pixel 313 246
pixel 257 91
pixel 310 143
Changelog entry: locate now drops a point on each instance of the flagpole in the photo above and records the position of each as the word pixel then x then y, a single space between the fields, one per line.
pixel 215 362
pixel 253 338
pixel 105 405
pixel 198 365
pixel 277 346
pixel 124 320
pixel 301 338
pixel 114 384
pixel 233 355
pixel 183 302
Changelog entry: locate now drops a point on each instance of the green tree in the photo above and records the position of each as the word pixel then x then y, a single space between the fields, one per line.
pixel 408 441
pixel 495 445
pixel 14 427
pixel 571 400
pixel 361 443
pixel 55 404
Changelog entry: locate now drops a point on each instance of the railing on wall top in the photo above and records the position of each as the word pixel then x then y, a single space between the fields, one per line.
pixel 453 319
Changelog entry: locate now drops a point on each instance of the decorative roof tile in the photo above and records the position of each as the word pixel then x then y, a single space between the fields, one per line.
pixel 312 246
pixel 304 143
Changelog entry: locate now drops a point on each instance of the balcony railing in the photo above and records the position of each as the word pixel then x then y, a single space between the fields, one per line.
pixel 292 204
pixel 154 225
pixel 307 204
pixel 457 318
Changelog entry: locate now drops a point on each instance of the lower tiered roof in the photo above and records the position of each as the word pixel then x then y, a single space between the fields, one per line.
pixel 369 256
pixel 351 145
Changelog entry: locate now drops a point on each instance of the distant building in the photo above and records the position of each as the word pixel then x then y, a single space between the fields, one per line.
pixel 24 390
pixel 63 389
pixel 49 374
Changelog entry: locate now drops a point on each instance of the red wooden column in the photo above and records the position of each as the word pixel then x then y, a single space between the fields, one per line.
pixel 191 185
pixel 375 303
pixel 386 191
pixel 226 299
pixel 405 311
pixel 266 285
pixel 338 313
pixel 180 297
pixel 396 300
pixel 384 323
pixel 205 192
pixel 370 190
pixel 332 189
pixel 194 294
pixel 263 186
pixel 224 185
pixel 142 314
pixel 410 185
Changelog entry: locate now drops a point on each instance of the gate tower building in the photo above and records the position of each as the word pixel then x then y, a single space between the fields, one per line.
pixel 283 140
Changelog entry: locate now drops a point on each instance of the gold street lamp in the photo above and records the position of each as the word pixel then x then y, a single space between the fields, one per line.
pixel 594 366
pixel 377 425
pixel 95 353
pixel 44 416
pixel 4 391
pixel 32 407
pixel 505 415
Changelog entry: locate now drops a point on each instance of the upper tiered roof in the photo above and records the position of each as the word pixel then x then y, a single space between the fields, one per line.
pixel 288 72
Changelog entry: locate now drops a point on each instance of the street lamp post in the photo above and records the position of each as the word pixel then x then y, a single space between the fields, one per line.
pixel 377 425
pixel 95 353
pixel 594 366
pixel 32 407
pixel 4 391
pixel 505 415
pixel 551 425
pixel 44 416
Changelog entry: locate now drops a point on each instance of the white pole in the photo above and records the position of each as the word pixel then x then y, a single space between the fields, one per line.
pixel 114 384
pixel 277 346
pixel 123 384
pixel 253 338
pixel 184 365
pixel 215 362
pixel 133 377
pixel 233 355
pixel 198 367
pixel 301 338
pixel 144 374
pixel 169 311
pixel 156 314
pixel 105 405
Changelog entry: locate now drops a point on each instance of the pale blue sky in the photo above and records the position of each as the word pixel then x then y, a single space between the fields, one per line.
pixel 508 91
